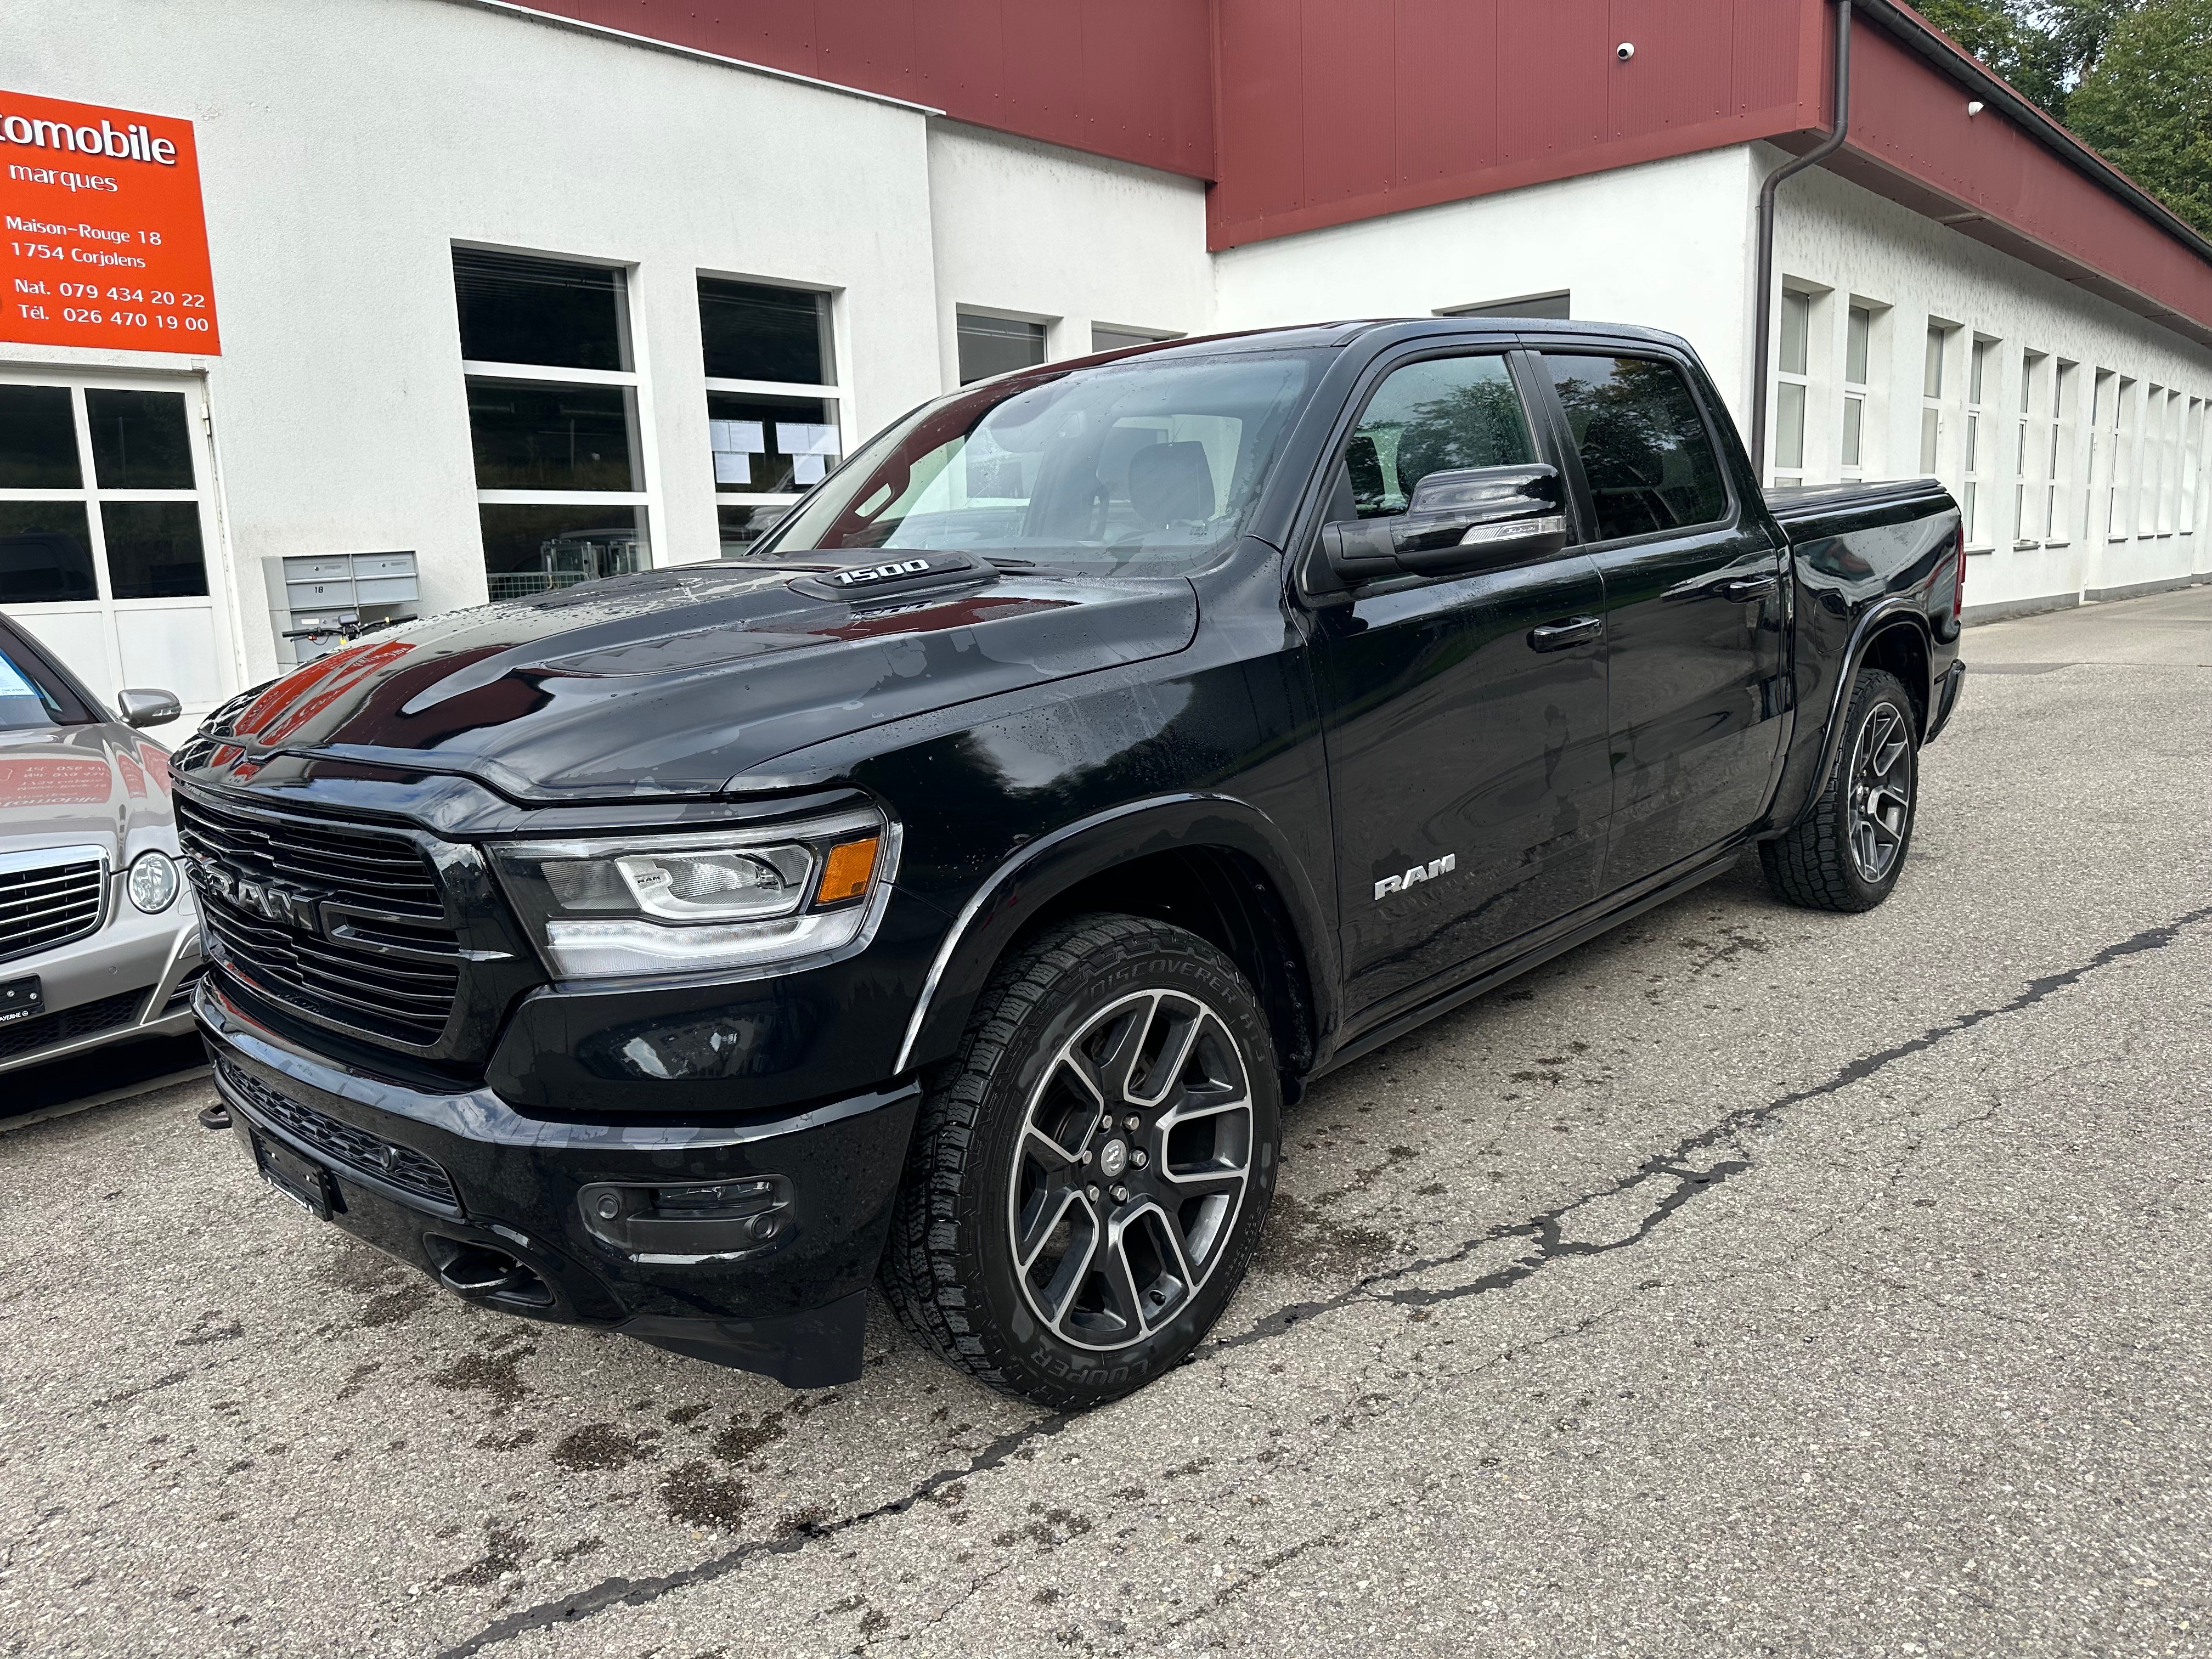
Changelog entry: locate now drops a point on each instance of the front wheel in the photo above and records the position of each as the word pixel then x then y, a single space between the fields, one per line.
pixel 1091 1175
pixel 1845 853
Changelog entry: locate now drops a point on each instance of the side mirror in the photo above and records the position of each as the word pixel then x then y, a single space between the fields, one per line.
pixel 142 706
pixel 1480 517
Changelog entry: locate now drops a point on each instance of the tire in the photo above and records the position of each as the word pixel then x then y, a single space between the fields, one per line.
pixel 1845 853
pixel 1011 1140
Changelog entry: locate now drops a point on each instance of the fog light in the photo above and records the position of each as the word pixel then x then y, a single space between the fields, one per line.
pixel 153 882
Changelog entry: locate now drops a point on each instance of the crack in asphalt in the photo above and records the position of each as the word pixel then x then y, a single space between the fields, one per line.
pixel 635 1592
pixel 1545 1232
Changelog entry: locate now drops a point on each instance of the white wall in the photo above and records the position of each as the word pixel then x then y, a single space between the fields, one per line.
pixel 1028 230
pixel 345 148
pixel 1667 244
pixel 1849 243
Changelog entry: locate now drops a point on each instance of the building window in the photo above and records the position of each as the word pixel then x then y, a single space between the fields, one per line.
pixel 1931 400
pixel 997 345
pixel 553 419
pixel 2032 452
pixel 2122 444
pixel 106 532
pixel 2150 462
pixel 1103 339
pixel 1858 342
pixel 2192 461
pixel 773 422
pixel 1978 441
pixel 2166 434
pixel 1557 305
pixel 1792 386
pixel 125 527
pixel 2059 490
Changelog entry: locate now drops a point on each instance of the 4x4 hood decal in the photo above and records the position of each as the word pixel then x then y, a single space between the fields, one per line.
pixel 672 682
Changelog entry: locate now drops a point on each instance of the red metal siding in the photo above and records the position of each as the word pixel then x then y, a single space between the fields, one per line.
pixel 1132 79
pixel 1309 113
pixel 1911 123
pixel 1332 111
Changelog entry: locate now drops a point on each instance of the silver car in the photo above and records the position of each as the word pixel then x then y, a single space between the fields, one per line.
pixel 99 937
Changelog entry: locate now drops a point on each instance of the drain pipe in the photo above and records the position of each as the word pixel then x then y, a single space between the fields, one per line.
pixel 1763 284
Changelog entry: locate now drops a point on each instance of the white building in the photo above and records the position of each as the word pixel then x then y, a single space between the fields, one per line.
pixel 499 289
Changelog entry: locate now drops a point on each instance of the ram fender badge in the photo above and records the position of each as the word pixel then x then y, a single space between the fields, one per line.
pixel 1418 873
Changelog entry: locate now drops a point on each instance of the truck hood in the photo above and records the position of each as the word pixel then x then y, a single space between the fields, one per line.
pixel 672 682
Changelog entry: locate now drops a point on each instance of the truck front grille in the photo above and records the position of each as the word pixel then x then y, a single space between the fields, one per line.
pixel 360 941
pixel 51 904
pixel 355 1151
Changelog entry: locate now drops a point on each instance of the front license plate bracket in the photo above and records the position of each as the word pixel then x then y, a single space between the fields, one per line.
pixel 306 1183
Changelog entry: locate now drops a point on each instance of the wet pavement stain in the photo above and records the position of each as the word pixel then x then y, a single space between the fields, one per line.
pixel 392 1307
pixel 694 1494
pixel 503 1548
pixel 494 1370
pixel 602 1446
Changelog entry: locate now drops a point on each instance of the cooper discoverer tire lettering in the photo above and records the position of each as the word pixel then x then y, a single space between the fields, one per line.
pixel 1091 1173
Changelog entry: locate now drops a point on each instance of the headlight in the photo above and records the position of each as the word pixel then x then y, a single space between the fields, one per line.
pixel 152 883
pixel 687 902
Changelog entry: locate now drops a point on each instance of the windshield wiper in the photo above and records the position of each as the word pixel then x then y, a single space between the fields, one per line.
pixel 1010 564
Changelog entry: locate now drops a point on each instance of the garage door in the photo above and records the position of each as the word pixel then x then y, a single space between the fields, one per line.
pixel 108 549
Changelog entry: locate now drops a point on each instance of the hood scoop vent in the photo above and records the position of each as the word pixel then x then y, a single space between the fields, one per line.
pixel 897 579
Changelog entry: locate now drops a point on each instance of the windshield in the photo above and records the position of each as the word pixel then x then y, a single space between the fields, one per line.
pixel 1140 467
pixel 27 699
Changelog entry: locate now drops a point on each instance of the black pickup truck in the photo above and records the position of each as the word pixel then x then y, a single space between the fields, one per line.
pixel 955 892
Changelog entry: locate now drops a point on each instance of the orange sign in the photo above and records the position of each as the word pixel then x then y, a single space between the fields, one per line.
pixel 103 242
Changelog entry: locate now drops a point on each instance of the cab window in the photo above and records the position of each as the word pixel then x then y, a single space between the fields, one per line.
pixel 1436 416
pixel 1646 455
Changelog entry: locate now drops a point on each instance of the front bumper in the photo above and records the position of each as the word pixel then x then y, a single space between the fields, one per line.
pixel 132 979
pixel 458 1183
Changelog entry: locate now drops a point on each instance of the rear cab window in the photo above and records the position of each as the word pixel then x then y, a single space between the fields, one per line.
pixel 1647 458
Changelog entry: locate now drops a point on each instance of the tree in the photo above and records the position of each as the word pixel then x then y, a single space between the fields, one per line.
pixel 2147 103
pixel 2012 39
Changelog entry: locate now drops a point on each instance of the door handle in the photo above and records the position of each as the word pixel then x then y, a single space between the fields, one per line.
pixel 1746 587
pixel 1559 635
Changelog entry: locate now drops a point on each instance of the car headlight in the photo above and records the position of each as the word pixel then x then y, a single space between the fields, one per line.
pixel 693 902
pixel 152 883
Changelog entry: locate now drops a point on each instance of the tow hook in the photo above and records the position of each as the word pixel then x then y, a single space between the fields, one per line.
pixel 216 1116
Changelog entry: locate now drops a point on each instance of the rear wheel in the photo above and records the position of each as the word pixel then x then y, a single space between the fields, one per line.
pixel 1091 1175
pixel 1846 852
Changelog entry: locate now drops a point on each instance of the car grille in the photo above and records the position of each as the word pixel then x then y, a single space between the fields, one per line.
pixel 51 905
pixel 355 1149
pixel 383 963
pixel 86 1019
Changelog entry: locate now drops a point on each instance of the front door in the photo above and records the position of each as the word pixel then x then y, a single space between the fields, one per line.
pixel 1694 610
pixel 1464 717
pixel 108 553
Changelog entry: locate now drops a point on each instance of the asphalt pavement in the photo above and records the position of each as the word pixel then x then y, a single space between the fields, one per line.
pixel 1748 1282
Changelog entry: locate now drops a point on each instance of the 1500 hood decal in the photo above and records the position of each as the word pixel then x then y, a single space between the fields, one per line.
pixel 673 680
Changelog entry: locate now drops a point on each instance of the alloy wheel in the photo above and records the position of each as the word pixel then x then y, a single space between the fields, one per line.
pixel 1881 791
pixel 1131 1169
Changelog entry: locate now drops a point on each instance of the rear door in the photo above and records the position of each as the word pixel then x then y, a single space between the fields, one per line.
pixel 1464 717
pixel 1694 607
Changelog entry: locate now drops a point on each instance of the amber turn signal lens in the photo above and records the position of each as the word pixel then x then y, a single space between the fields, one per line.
pixel 848 871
